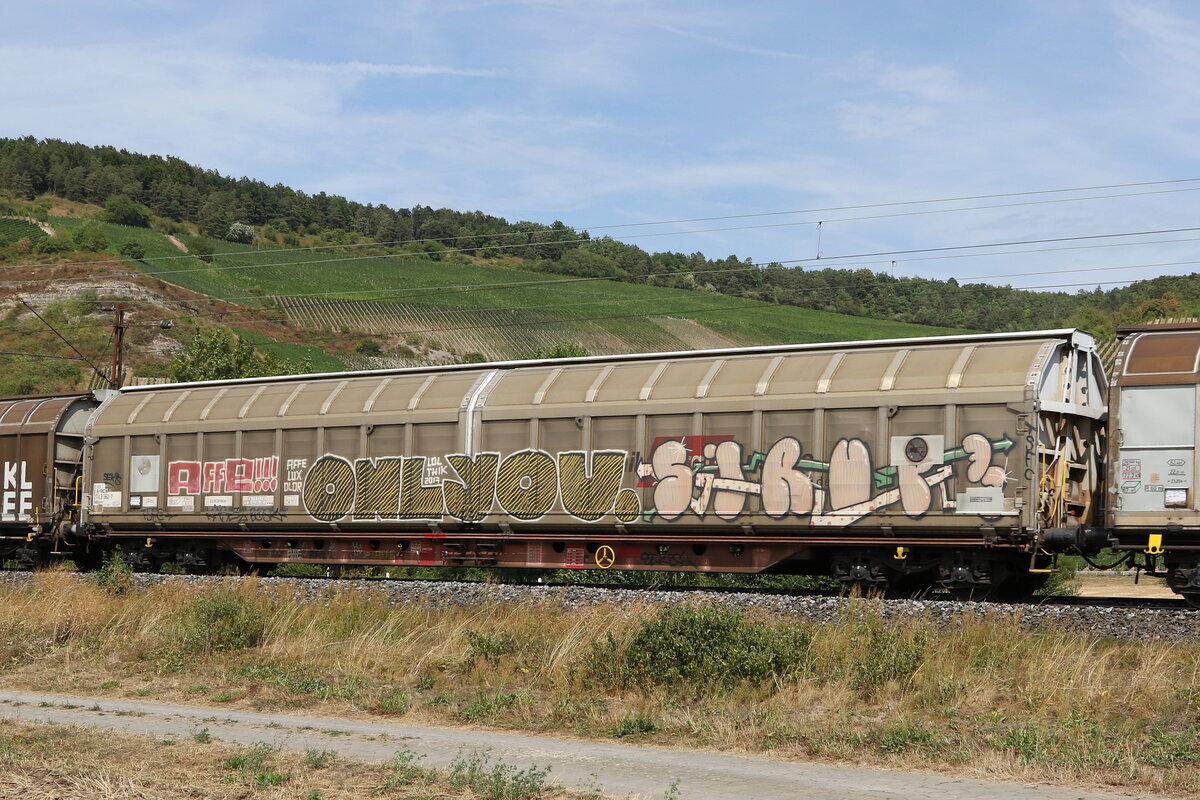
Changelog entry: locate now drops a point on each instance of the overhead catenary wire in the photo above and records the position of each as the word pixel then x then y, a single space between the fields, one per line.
pixel 242 314
pixel 422 291
pixel 896 203
pixel 585 238
pixel 569 320
pixel 792 261
pixel 943 253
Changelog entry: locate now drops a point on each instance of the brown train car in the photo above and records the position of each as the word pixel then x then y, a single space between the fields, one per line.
pixel 41 453
pixel 1153 506
pixel 956 461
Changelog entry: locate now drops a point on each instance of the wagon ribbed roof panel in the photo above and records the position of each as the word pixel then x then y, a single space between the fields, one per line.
pixel 34 414
pixel 317 400
pixel 937 366
pixel 1173 356
pixel 1076 337
pixel 831 372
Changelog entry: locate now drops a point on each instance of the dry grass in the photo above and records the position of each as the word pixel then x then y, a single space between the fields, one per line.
pixel 40 761
pixel 981 699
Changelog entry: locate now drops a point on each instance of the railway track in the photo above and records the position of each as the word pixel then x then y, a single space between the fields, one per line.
pixel 1121 618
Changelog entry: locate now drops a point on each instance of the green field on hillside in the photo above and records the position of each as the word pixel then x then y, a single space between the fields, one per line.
pixel 295 353
pixel 165 255
pixel 468 308
pixel 14 230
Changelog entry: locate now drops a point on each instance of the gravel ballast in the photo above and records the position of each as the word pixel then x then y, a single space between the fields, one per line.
pixel 1086 617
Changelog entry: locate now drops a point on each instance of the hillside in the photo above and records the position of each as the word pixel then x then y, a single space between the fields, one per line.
pixel 326 280
pixel 353 307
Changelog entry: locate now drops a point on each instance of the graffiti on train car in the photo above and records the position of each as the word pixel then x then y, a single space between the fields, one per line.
pixel 688 477
pixel 702 475
pixel 526 485
pixel 226 475
pixel 16 493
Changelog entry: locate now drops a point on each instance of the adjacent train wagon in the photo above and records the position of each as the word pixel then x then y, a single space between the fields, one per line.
pixel 1153 505
pixel 41 454
pixel 958 461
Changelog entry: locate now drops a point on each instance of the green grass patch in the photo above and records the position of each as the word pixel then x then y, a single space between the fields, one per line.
pixel 321 360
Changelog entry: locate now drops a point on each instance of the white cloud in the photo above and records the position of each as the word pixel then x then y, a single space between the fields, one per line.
pixel 933 84
pixel 359 68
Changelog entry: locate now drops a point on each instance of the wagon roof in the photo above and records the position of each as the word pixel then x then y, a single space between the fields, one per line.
pixel 36 414
pixel 921 370
pixel 1158 354
pixel 1077 337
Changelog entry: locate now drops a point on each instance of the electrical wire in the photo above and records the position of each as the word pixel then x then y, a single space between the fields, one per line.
pixel 420 292
pixel 238 315
pixel 668 233
pixel 794 261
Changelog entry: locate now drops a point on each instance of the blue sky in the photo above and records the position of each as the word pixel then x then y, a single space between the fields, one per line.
pixel 612 112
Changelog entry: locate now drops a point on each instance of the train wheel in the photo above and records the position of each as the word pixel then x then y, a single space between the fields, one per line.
pixel 142 560
pixel 1192 599
pixel 861 572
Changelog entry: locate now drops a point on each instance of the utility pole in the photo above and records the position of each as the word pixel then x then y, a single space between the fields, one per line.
pixel 118 354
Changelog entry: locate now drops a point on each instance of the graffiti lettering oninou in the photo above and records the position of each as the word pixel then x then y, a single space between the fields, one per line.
pixel 526 485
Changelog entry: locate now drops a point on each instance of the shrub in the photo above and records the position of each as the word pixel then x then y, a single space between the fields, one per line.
pixel 496 781
pixel 199 246
pixel 133 249
pixel 220 621
pixel 124 210
pixel 634 726
pixel 90 238
pixel 58 243
pixel 368 347
pixel 700 647
pixel 395 702
pixel 114 576
pixel 489 648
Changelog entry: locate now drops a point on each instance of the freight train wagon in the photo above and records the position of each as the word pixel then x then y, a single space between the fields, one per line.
pixel 41 454
pixel 958 461
pixel 1153 505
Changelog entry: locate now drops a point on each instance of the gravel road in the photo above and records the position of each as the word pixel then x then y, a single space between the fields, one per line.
pixel 621 770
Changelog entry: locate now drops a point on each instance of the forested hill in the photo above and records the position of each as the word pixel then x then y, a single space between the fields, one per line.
pixel 190 199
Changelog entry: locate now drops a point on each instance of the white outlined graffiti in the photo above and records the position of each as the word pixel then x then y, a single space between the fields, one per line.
pixel 707 474
pixel 525 485
pixel 687 477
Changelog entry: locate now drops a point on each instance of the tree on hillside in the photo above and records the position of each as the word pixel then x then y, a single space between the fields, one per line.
pixel 122 209
pixel 133 249
pixel 218 354
pixel 241 233
pixel 90 238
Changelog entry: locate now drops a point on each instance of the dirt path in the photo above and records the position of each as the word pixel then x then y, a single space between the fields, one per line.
pixel 617 769
pixel 177 243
